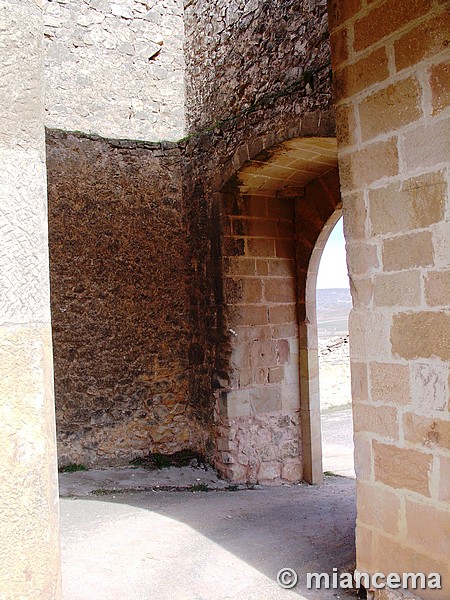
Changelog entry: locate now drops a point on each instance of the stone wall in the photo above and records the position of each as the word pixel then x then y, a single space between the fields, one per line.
pixel 115 67
pixel 259 405
pixel 230 125
pixel 241 54
pixel 211 159
pixel 119 299
pixel 206 161
pixel 29 543
pixel 389 65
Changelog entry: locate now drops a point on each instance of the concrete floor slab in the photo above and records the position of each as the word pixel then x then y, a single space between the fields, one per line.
pixel 158 545
pixel 84 483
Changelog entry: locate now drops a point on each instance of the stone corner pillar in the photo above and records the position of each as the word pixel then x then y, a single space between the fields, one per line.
pixel 29 541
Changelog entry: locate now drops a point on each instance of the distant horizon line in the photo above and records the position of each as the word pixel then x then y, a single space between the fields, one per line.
pixel 333 288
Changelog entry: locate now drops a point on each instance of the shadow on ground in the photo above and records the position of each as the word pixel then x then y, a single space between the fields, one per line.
pixel 216 545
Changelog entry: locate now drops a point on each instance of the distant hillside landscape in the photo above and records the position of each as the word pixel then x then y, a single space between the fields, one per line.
pixel 333 308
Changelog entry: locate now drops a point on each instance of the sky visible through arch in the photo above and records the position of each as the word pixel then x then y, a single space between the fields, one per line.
pixel 333 265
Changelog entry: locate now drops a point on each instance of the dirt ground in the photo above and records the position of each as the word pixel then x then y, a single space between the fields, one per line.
pixel 216 545
pixel 131 534
pixel 337 441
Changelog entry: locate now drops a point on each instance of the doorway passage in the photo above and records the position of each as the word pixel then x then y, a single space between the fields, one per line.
pixel 334 303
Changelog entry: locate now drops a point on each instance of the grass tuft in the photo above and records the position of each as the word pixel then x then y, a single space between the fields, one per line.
pixel 72 468
pixel 198 487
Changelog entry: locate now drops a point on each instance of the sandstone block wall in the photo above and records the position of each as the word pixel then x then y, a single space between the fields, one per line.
pixel 119 299
pixel 29 543
pixel 272 215
pixel 115 67
pixel 259 405
pixel 393 130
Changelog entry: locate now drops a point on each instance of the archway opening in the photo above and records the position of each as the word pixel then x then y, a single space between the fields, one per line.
pixel 333 305
pixel 272 214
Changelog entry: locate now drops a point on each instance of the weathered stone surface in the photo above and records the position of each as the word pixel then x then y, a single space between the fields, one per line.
pixel 355 216
pixel 380 420
pixel 390 108
pixel 23 228
pixel 362 74
pixel 444 482
pixel 363 457
pixel 428 433
pixel 391 556
pixel 361 290
pixel 389 382
pixel 375 161
pixel 388 18
pixel 395 168
pixel 359 382
pixel 437 286
pixel 407 251
pixel 119 300
pixel 421 335
pixel 21 87
pixel 378 506
pixel 426 146
pixel 362 258
pixel 402 467
pixel 369 334
pixel 241 54
pixel 428 526
pixel 440 86
pixel 115 69
pixel 441 244
pixel 412 204
pixel 263 448
pixel 29 502
pixel 29 544
pixel 429 387
pixel 428 38
pixel 397 289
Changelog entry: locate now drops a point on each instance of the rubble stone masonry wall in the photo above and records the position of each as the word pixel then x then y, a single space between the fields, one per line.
pixel 82 171
pixel 115 68
pixel 243 53
pixel 390 68
pixel 119 299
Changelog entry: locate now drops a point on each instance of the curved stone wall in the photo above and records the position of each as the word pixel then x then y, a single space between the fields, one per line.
pixel 115 68
pixel 242 54
pixel 257 74
pixel 287 94
pixel 119 299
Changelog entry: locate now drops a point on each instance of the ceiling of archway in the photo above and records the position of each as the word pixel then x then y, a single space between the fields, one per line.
pixel 292 164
